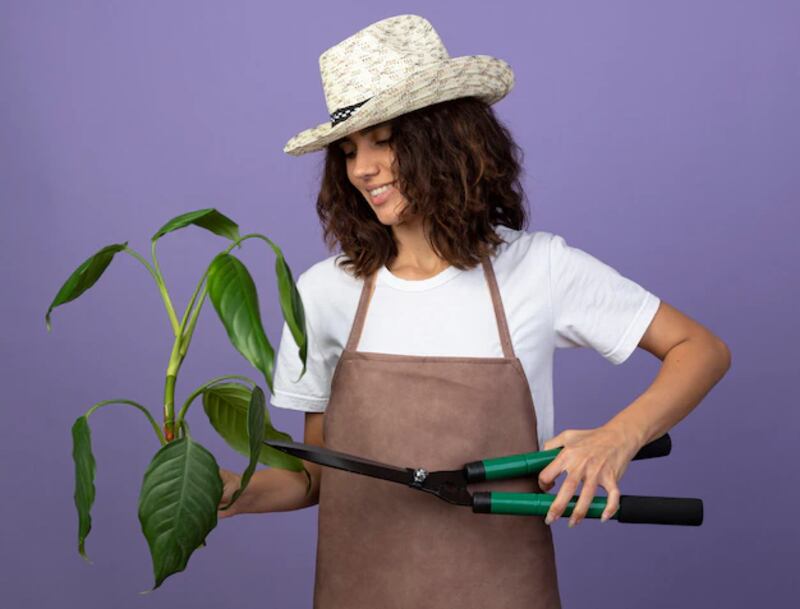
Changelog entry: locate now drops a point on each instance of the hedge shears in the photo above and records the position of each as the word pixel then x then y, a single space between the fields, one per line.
pixel 451 485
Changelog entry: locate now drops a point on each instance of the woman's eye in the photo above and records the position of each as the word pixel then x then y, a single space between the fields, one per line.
pixel 350 155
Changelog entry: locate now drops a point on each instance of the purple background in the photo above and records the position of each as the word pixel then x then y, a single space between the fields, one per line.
pixel 661 137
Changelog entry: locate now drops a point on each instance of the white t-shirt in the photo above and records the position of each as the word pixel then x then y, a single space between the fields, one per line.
pixel 554 295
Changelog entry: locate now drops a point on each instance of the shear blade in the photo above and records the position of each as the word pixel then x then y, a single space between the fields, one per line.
pixel 451 486
pixel 344 461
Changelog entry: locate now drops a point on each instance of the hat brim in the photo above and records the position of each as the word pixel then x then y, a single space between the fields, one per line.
pixel 482 76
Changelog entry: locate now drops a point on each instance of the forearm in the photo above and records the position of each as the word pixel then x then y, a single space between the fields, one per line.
pixel 687 373
pixel 280 490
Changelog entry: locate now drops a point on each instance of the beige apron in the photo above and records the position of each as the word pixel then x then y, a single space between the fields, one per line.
pixel 383 545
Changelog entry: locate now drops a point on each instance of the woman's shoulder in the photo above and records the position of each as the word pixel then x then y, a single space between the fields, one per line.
pixel 521 244
pixel 327 282
pixel 326 274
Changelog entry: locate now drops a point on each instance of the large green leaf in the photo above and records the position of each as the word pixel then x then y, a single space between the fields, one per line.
pixel 233 293
pixel 227 406
pixel 255 431
pixel 209 218
pixel 178 504
pixel 84 478
pixel 291 305
pixel 84 277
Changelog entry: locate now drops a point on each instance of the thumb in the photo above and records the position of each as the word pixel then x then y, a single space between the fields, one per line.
pixel 228 512
pixel 554 442
pixel 222 514
pixel 229 490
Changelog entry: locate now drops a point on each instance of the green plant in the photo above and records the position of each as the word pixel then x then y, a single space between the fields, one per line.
pixel 182 488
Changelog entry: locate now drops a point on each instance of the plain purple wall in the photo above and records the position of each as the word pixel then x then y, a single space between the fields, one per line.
pixel 662 137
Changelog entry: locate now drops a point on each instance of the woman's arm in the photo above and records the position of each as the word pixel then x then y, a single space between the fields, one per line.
pixel 693 361
pixel 273 489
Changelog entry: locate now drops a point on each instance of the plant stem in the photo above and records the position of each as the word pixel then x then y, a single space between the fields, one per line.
pixel 162 288
pixel 135 405
pixel 189 331
pixel 263 238
pixel 183 336
pixel 169 407
pixel 201 290
pixel 164 294
pixel 179 348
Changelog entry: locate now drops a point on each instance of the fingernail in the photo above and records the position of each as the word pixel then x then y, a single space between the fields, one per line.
pixel 571 523
pixel 603 518
pixel 548 519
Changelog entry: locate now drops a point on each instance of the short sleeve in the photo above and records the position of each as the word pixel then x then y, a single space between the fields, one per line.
pixel 311 392
pixel 594 305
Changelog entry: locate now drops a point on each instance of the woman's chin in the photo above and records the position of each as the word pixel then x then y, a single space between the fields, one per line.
pixel 388 221
pixel 388 216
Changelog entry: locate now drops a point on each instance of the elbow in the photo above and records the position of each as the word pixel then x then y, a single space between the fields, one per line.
pixel 727 356
pixel 723 356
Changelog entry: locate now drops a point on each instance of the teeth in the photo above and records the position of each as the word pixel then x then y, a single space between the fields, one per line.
pixel 380 190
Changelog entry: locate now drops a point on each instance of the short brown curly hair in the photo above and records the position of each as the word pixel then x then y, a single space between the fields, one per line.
pixel 459 169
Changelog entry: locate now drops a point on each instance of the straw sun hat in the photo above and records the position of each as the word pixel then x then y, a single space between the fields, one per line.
pixel 390 68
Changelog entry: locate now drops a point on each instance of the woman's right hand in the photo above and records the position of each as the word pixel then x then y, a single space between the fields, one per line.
pixel 231 481
pixel 272 489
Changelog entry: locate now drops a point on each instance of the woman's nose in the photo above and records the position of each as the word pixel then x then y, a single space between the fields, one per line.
pixel 365 164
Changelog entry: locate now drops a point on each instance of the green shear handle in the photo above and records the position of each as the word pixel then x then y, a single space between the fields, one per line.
pixel 632 508
pixel 526 464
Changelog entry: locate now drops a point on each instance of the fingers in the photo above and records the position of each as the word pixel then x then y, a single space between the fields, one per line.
pixel 554 442
pixel 221 513
pixel 584 500
pixel 590 458
pixel 548 475
pixel 612 503
pixel 230 486
pixel 546 487
pixel 226 499
pixel 563 496
pixel 566 438
pixel 231 511
pixel 583 503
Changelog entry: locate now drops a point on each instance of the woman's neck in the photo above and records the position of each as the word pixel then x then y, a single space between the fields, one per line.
pixel 415 256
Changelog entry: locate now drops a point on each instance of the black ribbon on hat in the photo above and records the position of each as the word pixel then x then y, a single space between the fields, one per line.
pixel 342 114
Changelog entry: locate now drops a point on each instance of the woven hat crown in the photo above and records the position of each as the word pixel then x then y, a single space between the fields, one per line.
pixel 393 67
pixel 378 57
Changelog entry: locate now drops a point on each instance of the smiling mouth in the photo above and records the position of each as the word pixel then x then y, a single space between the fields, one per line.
pixel 382 186
pixel 383 195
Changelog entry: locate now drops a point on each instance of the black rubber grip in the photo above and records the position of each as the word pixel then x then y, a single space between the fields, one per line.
pixel 482 502
pixel 475 471
pixel 660 447
pixel 660 510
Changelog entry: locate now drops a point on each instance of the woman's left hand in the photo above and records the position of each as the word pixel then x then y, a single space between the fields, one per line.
pixel 595 457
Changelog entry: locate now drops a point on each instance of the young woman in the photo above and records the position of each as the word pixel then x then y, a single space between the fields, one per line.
pixel 430 335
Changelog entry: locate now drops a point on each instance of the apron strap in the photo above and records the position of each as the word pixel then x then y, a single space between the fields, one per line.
pixel 499 311
pixel 361 313
pixel 497 304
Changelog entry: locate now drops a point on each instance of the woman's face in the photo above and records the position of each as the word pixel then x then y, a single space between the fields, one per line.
pixel 369 157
